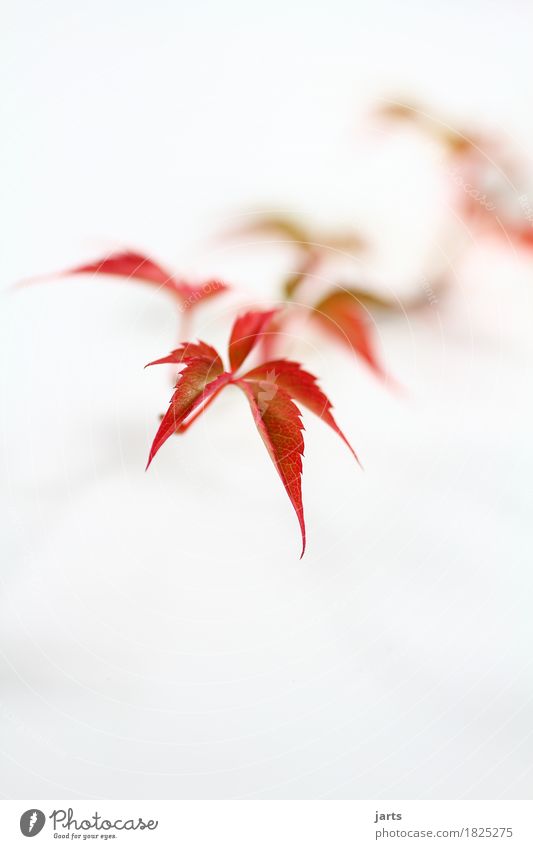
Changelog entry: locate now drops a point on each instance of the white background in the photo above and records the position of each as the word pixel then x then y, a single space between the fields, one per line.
pixel 159 636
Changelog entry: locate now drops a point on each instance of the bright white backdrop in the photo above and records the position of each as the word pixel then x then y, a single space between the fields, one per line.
pixel 159 636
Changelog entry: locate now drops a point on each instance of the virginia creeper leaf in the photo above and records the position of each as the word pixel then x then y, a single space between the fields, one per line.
pixel 340 315
pixel 278 421
pixel 300 385
pixel 271 390
pixel 203 376
pixel 245 334
pixel 127 264
pixel 192 389
pixel 135 266
pixel 192 351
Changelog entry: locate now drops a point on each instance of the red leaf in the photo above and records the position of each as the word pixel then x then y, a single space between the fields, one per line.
pixel 199 381
pixel 300 385
pixel 279 423
pixel 270 342
pixel 341 316
pixel 245 334
pixel 192 351
pixel 135 266
pixel 126 264
pixel 270 389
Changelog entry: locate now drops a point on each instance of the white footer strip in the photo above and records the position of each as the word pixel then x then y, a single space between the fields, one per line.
pixel 268 824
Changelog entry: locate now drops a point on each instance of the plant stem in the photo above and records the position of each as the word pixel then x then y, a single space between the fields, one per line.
pixel 182 428
pixel 309 264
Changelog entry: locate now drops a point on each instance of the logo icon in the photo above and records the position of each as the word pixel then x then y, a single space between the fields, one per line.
pixel 32 822
pixel 268 391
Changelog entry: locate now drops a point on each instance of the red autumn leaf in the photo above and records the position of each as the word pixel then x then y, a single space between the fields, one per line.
pixel 340 314
pixel 191 351
pixel 126 264
pixel 273 336
pixel 135 266
pixel 279 423
pixel 343 314
pixel 245 333
pixel 271 390
pixel 300 385
pixel 200 379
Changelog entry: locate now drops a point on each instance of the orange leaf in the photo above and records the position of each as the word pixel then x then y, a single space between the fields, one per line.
pixel 340 315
